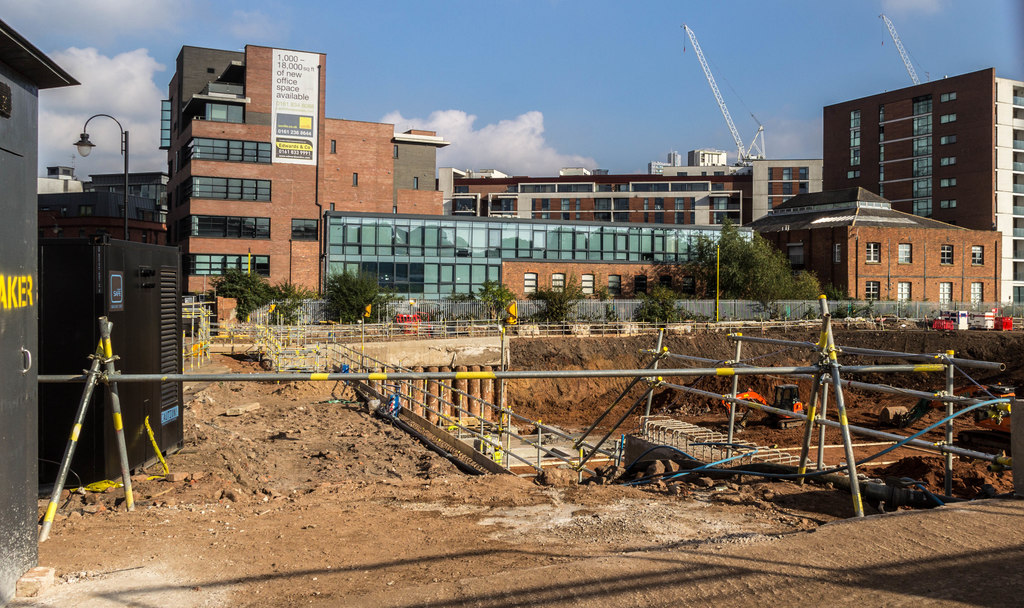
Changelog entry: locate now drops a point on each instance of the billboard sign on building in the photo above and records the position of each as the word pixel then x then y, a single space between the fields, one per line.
pixel 296 101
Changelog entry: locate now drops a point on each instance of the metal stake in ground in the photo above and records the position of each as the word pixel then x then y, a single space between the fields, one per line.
pixel 948 485
pixel 650 395
pixel 851 463
pixel 69 450
pixel 812 412
pixel 115 408
pixel 735 390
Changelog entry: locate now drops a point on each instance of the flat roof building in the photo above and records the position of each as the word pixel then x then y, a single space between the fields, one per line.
pixel 254 164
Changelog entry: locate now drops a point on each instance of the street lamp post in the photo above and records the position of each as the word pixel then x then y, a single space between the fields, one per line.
pixel 85 147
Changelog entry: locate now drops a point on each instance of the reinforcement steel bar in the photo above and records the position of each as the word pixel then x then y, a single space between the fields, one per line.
pixel 654 365
pixel 952 449
pixel 523 374
pixel 869 352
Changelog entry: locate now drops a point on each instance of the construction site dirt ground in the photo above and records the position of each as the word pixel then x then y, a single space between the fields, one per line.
pixel 309 500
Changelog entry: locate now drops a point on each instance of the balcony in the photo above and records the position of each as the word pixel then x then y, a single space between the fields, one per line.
pixel 1018 232
pixel 1018 144
pixel 1018 101
pixel 1018 188
pixel 1018 210
pixel 1018 167
pixel 1018 276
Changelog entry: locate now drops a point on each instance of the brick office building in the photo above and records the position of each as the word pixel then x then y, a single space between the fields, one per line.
pixel 854 240
pixel 254 164
pixel 950 149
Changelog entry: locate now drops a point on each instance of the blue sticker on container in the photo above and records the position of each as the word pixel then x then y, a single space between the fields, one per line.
pixel 169 415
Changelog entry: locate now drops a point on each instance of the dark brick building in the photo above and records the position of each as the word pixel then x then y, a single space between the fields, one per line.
pixel 949 149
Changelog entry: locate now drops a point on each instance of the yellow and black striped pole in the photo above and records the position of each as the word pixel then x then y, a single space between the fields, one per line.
pixel 115 408
pixel 829 349
pixel 69 450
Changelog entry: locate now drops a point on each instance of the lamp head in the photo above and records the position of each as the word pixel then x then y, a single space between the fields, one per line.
pixel 84 145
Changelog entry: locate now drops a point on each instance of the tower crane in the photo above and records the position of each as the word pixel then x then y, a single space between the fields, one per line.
pixel 745 154
pixel 899 47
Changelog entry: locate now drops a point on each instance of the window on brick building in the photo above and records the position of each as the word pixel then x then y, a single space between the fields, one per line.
pixel 905 253
pixel 977 255
pixel 946 254
pixel 334 146
pixel 557 281
pixel 872 289
pixel 837 253
pixel 640 284
pixel 415 183
pixel 303 230
pixel 355 179
pixel 945 293
pixel 394 151
pixel 614 285
pixel 665 280
pixel 587 283
pixel 977 293
pixel 873 253
pixel 903 291
pixel 530 282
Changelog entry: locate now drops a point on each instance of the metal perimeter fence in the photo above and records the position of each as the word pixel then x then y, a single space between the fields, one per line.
pixel 442 311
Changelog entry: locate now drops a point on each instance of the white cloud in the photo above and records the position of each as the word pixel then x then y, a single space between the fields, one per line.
pixel 914 7
pixel 121 86
pixel 515 146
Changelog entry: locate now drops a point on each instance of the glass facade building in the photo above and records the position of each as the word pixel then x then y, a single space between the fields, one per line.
pixel 441 255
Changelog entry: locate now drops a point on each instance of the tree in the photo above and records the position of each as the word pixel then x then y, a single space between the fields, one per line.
pixel 751 269
pixel 348 294
pixel 249 290
pixel 658 307
pixel 288 298
pixel 496 297
pixel 559 304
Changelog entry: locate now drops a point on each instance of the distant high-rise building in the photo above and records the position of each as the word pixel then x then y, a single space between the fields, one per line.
pixel 656 167
pixel 950 149
pixel 706 158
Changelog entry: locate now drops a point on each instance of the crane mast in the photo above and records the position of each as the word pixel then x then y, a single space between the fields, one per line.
pixel 744 153
pixel 899 47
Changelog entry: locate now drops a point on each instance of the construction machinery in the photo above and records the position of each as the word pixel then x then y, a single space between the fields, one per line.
pixel 993 434
pixel 787 397
pixel 899 47
pixel 744 154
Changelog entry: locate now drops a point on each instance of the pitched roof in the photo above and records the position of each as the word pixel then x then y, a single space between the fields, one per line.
pixel 847 207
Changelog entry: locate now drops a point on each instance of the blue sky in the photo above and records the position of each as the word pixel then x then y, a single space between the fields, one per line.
pixel 522 86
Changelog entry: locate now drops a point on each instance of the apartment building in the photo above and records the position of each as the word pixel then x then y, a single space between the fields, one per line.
pixel 950 149
pixel 255 164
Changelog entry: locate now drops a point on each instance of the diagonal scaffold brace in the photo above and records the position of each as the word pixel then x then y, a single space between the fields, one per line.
pixel 103 355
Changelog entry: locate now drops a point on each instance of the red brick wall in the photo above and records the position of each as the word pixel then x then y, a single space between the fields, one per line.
pixel 924 272
pixel 513 274
pixel 364 148
pixel 423 202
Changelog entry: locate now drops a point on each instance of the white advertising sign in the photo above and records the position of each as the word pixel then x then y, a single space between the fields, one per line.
pixel 295 78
